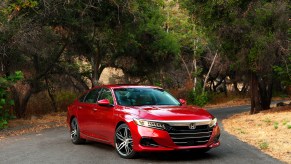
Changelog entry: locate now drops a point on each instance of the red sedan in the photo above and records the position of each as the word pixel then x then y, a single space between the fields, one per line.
pixel 140 118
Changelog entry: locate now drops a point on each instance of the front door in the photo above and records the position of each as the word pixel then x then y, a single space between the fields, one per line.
pixel 104 117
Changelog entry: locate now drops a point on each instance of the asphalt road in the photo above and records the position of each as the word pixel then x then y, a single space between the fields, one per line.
pixel 54 146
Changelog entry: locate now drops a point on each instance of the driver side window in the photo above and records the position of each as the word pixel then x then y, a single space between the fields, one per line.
pixel 92 96
pixel 106 94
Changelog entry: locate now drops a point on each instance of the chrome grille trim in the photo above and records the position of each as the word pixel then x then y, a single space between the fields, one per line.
pixel 183 136
pixel 174 138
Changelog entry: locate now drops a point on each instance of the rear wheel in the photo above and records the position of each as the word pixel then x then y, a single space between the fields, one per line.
pixel 123 142
pixel 75 132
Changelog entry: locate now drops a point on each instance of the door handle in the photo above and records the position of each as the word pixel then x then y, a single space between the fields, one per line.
pixel 95 109
pixel 80 107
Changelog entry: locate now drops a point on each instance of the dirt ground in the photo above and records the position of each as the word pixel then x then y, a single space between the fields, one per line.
pixel 269 131
pixel 34 124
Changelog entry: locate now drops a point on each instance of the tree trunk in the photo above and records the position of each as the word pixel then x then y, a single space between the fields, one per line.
pixel 50 93
pixel 207 75
pixel 20 102
pixel 255 95
pixel 95 70
pixel 195 72
pixel 265 88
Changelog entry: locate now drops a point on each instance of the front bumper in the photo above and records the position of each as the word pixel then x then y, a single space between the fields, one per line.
pixel 162 140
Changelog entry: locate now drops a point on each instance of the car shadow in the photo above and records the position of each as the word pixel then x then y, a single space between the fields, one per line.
pixel 169 156
pixel 174 156
pixel 99 145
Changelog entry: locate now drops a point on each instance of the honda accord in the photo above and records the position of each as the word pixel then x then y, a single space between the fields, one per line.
pixel 136 119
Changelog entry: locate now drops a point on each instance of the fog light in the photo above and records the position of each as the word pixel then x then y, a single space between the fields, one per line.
pixel 148 142
pixel 216 138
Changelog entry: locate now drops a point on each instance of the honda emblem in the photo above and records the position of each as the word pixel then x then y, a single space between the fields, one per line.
pixel 192 126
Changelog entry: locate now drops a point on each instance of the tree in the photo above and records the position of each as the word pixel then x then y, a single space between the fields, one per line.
pixel 47 39
pixel 252 34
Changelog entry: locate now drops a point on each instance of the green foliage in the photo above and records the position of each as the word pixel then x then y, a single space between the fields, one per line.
pixel 241 131
pixel 5 102
pixel 283 71
pixel 264 145
pixel 64 98
pixel 276 125
pixel 248 32
pixel 285 122
pixel 198 97
pixel 17 6
pixel 267 121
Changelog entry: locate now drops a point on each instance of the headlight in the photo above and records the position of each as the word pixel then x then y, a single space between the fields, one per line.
pixel 213 122
pixel 150 124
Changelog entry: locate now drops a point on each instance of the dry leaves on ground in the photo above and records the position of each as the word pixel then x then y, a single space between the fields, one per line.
pixel 269 131
pixel 33 125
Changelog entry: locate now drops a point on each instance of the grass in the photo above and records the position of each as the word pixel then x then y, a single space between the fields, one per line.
pixel 285 122
pixel 267 120
pixel 264 145
pixel 276 125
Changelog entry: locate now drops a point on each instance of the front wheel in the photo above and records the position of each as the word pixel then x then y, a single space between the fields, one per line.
pixel 123 142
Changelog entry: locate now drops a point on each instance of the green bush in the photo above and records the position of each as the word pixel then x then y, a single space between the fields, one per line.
pixel 198 98
pixel 64 98
pixel 5 102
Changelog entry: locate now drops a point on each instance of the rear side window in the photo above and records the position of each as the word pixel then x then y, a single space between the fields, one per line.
pixel 92 96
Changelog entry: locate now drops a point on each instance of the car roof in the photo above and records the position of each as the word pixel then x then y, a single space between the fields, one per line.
pixel 116 86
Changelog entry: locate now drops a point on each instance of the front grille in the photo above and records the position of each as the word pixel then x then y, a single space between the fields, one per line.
pixel 183 136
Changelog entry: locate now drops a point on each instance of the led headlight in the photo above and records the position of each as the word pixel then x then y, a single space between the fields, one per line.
pixel 150 124
pixel 213 122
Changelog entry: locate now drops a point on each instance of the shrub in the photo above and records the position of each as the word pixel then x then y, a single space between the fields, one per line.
pixel 264 145
pixel 64 98
pixel 276 125
pixel 5 102
pixel 198 98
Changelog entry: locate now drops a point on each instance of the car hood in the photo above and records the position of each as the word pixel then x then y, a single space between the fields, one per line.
pixel 168 113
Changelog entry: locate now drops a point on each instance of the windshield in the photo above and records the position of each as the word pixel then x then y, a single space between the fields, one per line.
pixel 144 96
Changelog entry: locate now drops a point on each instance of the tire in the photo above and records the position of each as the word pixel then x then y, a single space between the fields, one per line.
pixel 123 142
pixel 75 132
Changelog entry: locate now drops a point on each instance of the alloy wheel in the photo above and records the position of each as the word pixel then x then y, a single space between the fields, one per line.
pixel 74 128
pixel 123 142
pixel 75 132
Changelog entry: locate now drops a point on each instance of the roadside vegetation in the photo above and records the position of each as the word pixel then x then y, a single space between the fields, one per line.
pixel 205 51
pixel 269 131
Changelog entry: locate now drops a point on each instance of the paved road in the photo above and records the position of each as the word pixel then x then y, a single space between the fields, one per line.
pixel 54 146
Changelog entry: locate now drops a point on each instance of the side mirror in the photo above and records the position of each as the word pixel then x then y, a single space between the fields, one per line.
pixel 104 102
pixel 183 102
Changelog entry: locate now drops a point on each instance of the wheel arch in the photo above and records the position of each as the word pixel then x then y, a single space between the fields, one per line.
pixel 119 123
pixel 71 118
